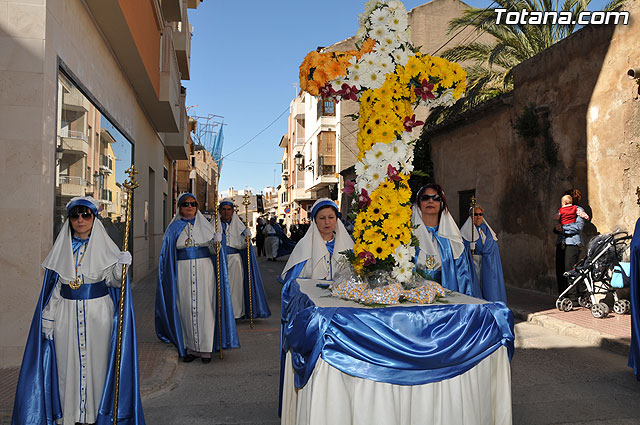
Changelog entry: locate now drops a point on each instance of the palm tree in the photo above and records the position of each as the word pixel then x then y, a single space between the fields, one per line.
pixel 490 71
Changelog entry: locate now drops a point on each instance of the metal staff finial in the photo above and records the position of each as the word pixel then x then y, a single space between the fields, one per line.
pixel 474 205
pixel 246 202
pixel 129 185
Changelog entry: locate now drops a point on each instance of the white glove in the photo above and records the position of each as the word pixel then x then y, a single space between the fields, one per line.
pixel 217 237
pixel 247 233
pixel 124 258
pixel 472 246
pixel 47 332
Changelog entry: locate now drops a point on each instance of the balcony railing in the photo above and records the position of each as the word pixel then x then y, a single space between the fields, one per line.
pixel 72 180
pixel 72 134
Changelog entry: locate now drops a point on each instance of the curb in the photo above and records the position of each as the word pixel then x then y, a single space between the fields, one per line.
pixel 591 336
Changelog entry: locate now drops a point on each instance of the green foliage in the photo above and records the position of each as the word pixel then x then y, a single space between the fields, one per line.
pixel 530 127
pixel 489 65
pixel 422 165
pixel 527 125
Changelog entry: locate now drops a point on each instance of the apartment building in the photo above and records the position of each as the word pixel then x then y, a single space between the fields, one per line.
pixel 90 87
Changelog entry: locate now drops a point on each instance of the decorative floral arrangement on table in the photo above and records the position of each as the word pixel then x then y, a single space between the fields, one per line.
pixel 390 294
pixel 389 77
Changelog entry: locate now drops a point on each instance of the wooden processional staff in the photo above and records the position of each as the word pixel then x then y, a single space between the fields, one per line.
pixel 128 186
pixel 245 202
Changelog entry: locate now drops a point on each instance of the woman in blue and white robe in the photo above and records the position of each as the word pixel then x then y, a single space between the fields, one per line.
pixel 441 253
pixel 68 369
pixel 186 295
pixel 317 254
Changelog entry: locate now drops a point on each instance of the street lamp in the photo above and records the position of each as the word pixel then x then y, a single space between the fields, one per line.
pixel 299 159
pixel 59 153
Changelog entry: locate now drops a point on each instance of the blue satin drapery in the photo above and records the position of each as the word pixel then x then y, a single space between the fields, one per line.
pixel 286 245
pixel 491 267
pixel 167 317
pixel 457 274
pixel 258 296
pixel 37 396
pixel 634 349
pixel 398 345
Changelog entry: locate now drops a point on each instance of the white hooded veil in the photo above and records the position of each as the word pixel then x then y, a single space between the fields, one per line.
pixel 466 231
pixel 312 248
pixel 101 252
pixel 234 237
pixel 447 228
pixel 202 229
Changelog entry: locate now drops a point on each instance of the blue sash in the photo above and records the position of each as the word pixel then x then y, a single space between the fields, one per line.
pixel 87 291
pixel 193 252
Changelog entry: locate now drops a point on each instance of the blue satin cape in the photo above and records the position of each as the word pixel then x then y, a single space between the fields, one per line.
pixel 634 349
pixel 286 245
pixel 490 267
pixel 37 396
pixel 258 297
pixel 457 274
pixel 168 326
pixel 398 345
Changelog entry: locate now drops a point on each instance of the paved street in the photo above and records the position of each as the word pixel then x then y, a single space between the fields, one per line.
pixel 556 379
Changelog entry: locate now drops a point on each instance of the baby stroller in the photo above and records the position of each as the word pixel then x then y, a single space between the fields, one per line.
pixel 600 272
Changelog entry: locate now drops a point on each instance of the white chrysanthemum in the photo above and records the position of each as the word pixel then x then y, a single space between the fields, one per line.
pixel 402 273
pixel 380 16
pixel 398 151
pixel 372 79
pixel 409 138
pixel 365 184
pixel 370 6
pixel 355 77
pixel 400 56
pixel 394 5
pixel 377 177
pixel 337 83
pixel 398 20
pixel 379 32
pixel 370 60
pixel 385 63
pixel 382 50
pixel 377 154
pixel 391 41
pixel 362 166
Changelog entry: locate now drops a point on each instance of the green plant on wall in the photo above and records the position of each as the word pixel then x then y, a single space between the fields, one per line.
pixel 530 125
pixel 527 125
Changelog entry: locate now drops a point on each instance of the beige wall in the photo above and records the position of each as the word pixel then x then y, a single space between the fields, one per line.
pixel 32 38
pixel 593 115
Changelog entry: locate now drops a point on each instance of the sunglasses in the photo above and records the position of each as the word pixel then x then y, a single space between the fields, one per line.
pixel 189 204
pixel 478 214
pixel 435 198
pixel 84 215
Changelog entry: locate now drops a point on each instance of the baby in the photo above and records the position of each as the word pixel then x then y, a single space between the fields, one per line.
pixel 568 213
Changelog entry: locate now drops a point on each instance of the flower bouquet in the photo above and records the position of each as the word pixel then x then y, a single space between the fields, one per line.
pixel 389 78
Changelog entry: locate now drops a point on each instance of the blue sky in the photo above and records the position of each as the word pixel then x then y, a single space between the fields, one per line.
pixel 244 64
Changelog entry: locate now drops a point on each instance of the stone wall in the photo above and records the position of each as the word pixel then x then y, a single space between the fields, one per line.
pixel 580 86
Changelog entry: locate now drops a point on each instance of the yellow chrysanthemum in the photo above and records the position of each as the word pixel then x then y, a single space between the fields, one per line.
pixel 391 228
pixel 370 235
pixel 375 212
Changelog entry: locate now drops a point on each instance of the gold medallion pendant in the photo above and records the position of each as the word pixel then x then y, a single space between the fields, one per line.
pixel 76 283
pixel 188 242
pixel 430 262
